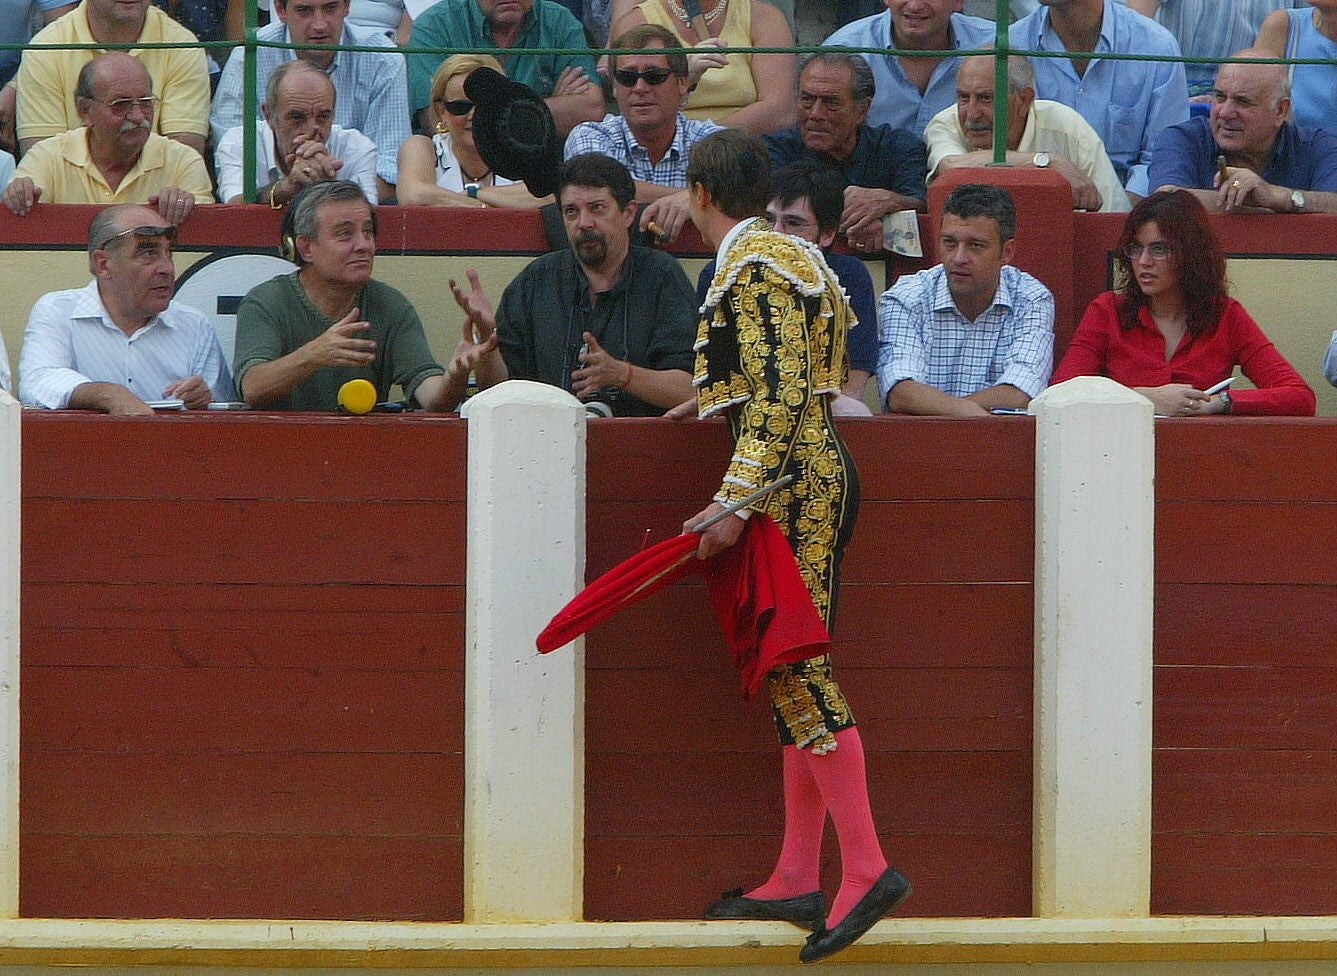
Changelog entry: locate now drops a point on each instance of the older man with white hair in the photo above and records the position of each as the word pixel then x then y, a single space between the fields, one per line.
pixel 1249 155
pixel 298 142
pixel 1040 133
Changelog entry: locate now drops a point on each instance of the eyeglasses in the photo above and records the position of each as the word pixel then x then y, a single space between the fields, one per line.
pixel 1156 250
pixel 122 106
pixel 793 225
pixel 147 230
pixel 457 106
pixel 627 78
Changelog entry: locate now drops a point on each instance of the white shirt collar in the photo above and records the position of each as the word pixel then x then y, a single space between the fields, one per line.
pixel 729 238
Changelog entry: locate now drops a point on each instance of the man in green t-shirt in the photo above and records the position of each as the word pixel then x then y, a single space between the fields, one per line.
pixel 302 336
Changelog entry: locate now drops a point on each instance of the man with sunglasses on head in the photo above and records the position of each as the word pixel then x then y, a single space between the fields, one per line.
pixel 115 156
pixel 298 143
pixel 650 136
pixel 120 342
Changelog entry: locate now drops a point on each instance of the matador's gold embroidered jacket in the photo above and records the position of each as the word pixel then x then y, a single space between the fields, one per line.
pixel 771 352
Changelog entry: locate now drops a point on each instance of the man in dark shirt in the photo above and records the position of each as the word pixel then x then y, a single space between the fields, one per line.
pixel 1270 163
pixel 884 167
pixel 604 320
pixel 806 202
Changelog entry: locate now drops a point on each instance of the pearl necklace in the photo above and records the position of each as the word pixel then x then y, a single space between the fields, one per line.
pixel 710 16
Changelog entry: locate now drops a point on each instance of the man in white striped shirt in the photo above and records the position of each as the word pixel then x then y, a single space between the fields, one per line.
pixel 120 341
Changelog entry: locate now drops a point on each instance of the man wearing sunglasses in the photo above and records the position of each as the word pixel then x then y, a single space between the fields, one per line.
pixel 120 342
pixel 650 135
pixel 46 80
pixel 298 143
pixel 115 157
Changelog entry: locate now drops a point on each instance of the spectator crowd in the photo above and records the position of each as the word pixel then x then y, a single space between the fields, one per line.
pixel 853 137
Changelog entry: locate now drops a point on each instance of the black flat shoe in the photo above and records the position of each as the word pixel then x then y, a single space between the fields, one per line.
pixel 887 892
pixel 806 911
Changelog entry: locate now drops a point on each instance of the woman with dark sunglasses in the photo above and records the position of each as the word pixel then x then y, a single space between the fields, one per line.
pixel 1172 333
pixel 447 170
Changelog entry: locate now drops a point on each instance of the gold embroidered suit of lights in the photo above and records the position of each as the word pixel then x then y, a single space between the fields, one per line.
pixel 770 356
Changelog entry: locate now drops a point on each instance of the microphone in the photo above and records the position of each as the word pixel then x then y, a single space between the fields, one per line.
pixel 357 397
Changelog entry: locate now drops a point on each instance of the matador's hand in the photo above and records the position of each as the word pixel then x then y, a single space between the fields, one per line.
pixel 719 536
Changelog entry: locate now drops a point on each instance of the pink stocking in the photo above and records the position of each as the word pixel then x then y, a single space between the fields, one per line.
pixel 798 870
pixel 841 778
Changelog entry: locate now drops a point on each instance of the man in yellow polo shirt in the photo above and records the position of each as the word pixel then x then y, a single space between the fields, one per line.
pixel 46 79
pixel 115 157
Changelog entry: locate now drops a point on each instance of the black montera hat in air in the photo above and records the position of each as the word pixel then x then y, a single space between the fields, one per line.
pixel 514 131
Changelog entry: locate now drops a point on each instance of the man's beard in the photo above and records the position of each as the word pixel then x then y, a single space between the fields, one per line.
pixel 591 248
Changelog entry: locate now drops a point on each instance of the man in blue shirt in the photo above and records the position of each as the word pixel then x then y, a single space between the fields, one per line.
pixel 370 84
pixel 1271 164
pixel 883 167
pixel 806 201
pixel 1128 103
pixel 1210 29
pixel 566 82
pixel 910 91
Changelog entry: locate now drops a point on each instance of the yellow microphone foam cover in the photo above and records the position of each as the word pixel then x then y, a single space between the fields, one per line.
pixel 357 396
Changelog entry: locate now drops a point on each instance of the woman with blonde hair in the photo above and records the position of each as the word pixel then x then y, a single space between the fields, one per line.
pixel 447 170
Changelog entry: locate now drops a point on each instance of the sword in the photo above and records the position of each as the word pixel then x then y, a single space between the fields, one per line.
pixel 761 492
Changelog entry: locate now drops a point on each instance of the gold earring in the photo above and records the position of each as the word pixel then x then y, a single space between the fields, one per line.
pixel 441 127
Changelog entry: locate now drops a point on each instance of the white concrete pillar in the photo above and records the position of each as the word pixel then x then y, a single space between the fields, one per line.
pixel 10 481
pixel 524 757
pixel 1094 511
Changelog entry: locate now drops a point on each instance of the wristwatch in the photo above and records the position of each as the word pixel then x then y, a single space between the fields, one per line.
pixel 1040 160
pixel 1226 402
pixel 471 189
pixel 1297 200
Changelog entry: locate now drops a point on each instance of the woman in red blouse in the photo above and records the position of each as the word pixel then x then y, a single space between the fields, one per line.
pixel 1172 331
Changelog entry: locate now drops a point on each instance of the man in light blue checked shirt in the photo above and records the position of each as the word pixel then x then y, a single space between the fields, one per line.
pixel 972 334
pixel 651 136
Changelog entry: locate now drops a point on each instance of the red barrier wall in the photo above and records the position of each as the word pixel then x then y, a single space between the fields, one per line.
pixel 242 682
pixel 242 667
pixel 241 674
pixel 1246 678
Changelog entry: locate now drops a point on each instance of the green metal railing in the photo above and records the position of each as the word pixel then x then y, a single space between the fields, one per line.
pixel 1001 50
